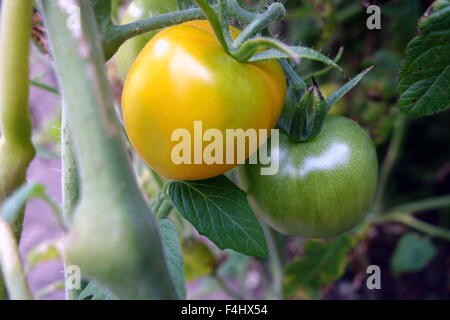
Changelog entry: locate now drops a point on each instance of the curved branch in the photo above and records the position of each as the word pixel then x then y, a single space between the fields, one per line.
pixel 118 34
pixel 403 214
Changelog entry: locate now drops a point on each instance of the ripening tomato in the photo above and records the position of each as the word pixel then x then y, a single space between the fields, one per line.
pixel 137 10
pixel 323 187
pixel 183 75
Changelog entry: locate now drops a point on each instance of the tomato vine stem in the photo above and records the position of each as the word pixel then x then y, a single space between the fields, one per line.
pixel 114 35
pixel 404 214
pixel 16 148
pixel 274 12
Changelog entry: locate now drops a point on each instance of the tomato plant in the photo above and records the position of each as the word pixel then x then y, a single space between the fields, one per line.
pixel 135 223
pixel 324 186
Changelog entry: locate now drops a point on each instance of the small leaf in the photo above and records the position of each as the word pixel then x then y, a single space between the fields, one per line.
pixel 325 70
pixel 322 263
pixel 250 48
pixel 199 261
pixel 94 291
pixel 301 52
pixel 425 73
pixel 45 251
pixel 338 94
pixel 412 253
pixel 173 256
pixel 16 202
pixel 219 210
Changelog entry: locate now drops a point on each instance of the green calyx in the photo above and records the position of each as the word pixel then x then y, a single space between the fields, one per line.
pixel 309 115
pixel 245 46
pixel 305 111
pixel 249 46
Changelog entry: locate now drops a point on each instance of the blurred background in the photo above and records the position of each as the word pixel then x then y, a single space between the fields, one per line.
pixel 413 265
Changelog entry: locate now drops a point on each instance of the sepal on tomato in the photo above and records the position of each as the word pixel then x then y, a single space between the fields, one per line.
pixel 309 115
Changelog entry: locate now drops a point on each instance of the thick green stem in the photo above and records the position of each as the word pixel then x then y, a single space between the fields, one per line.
pixel 114 238
pixel 16 148
pixel 11 265
pixel 14 47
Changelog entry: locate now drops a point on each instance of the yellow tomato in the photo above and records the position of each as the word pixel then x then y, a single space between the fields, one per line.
pixel 183 75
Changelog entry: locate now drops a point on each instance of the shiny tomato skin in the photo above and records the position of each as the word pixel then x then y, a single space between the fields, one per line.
pixel 323 187
pixel 184 75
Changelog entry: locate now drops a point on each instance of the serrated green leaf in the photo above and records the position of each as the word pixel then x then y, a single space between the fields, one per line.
pixel 425 73
pixel 219 210
pixel 322 263
pixel 301 52
pixel 413 252
pixel 173 255
pixel 16 202
pixel 94 291
pixel 338 94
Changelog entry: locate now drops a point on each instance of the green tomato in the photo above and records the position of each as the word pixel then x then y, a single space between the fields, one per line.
pixel 324 186
pixel 137 10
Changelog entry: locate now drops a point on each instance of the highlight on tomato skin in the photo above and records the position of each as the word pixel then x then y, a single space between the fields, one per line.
pixel 184 76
